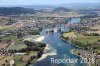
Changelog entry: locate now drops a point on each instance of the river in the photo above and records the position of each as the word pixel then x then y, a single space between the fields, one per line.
pixel 63 48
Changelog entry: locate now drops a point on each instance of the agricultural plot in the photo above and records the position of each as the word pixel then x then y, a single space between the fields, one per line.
pixel 89 39
pixel 17 47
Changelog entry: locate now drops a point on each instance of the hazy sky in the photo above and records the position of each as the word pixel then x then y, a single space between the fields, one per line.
pixel 43 2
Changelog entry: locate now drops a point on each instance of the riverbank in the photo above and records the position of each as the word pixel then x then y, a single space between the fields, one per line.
pixel 32 52
pixel 69 42
pixel 63 48
pixel 85 55
pixel 79 43
pixel 77 53
pixel 47 52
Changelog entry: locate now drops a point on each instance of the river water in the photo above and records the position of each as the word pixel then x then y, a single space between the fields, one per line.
pixel 63 48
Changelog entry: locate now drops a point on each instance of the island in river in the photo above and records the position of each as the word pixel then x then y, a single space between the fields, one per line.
pixel 16 44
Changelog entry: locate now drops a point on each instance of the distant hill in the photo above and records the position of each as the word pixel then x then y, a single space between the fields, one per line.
pixel 15 10
pixel 61 9
pixel 81 5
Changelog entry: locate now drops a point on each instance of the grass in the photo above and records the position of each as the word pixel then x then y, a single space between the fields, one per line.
pixel 90 39
pixel 10 37
pixel 69 34
pixel 20 64
pixel 18 42
pixel 18 60
pixel 18 57
pixel 97 50
pixel 33 52
pixel 81 38
pixel 7 28
pixel 84 40
pixel 3 29
pixel 17 47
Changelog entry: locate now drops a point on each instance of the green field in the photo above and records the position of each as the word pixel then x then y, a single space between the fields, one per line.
pixel 33 52
pixel 18 60
pixel 89 39
pixel 17 47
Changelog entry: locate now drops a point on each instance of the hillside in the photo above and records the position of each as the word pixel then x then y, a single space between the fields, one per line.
pixel 15 10
pixel 61 9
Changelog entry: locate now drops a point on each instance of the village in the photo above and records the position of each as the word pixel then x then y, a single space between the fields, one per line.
pixel 85 35
pixel 22 45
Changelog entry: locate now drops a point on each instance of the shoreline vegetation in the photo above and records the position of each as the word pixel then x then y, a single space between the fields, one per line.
pixel 13 28
pixel 85 51
pixel 22 52
pixel 38 56
pixel 81 41
pixel 85 35
pixel 90 61
pixel 68 41
pixel 34 51
pixel 16 23
pixel 47 52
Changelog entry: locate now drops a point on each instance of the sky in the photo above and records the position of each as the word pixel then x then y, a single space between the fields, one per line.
pixel 43 2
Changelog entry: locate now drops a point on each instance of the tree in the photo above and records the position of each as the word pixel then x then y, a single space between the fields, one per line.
pixel 98 40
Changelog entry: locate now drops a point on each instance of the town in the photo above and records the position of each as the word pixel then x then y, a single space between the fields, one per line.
pixel 28 36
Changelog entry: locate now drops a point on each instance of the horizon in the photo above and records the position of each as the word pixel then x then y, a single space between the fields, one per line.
pixel 54 5
pixel 43 2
